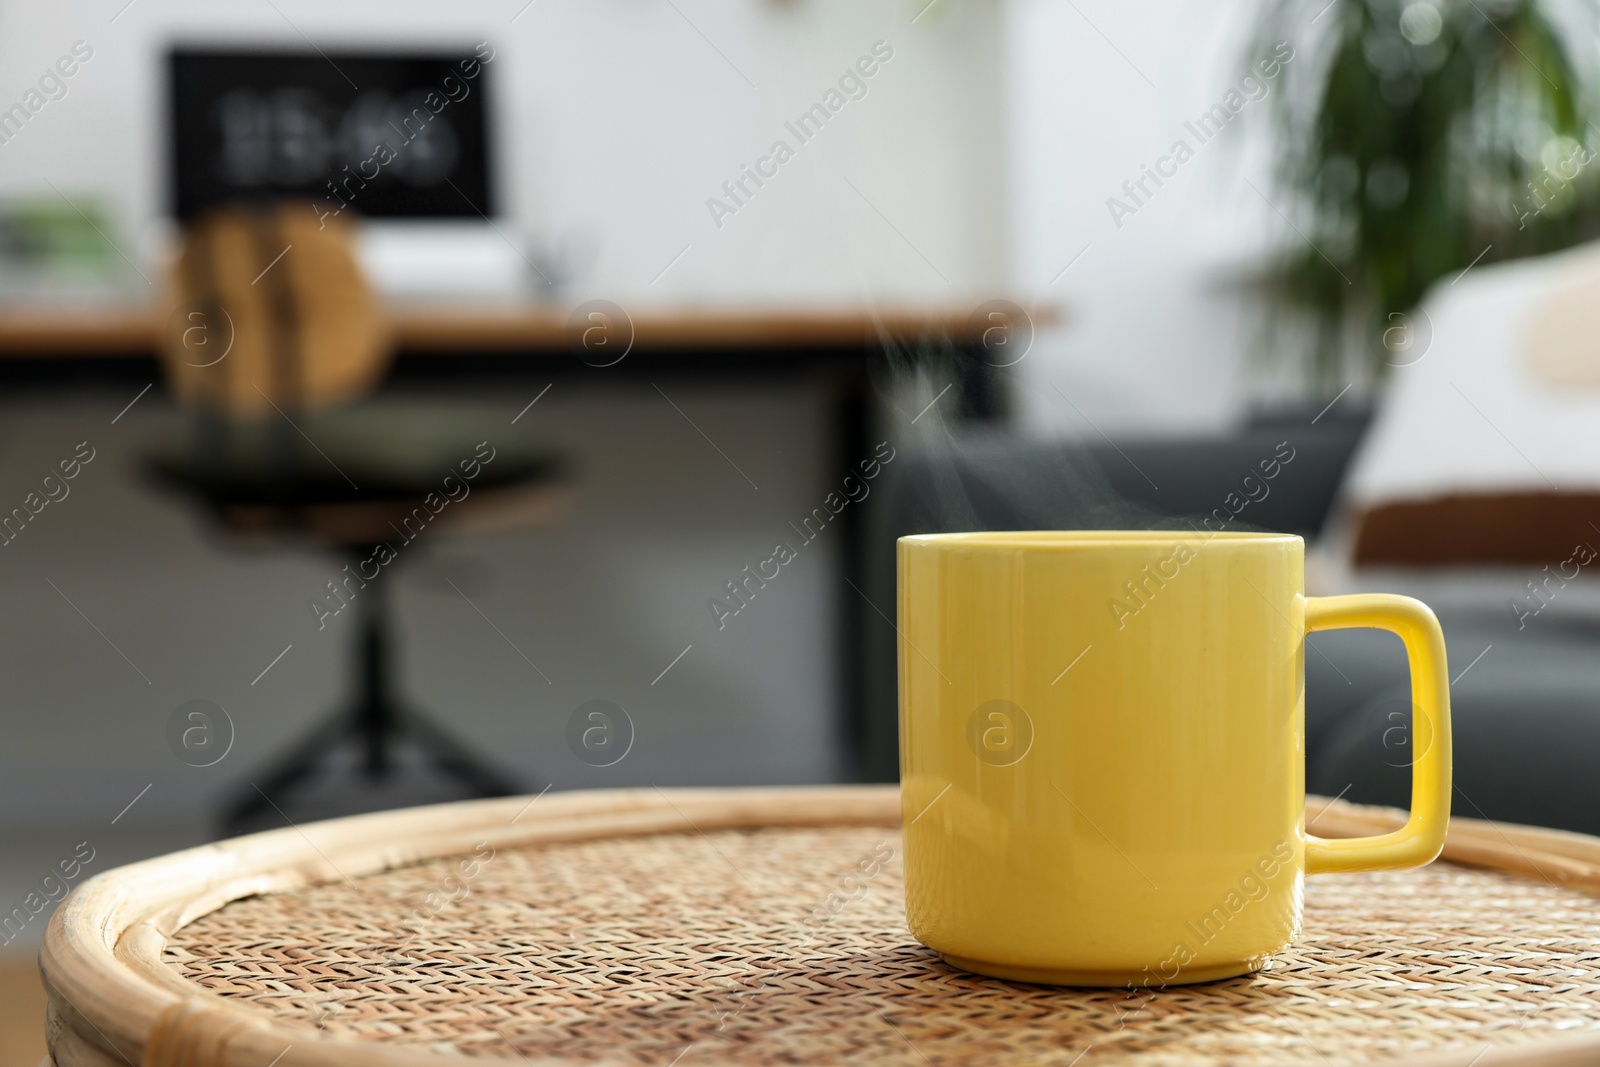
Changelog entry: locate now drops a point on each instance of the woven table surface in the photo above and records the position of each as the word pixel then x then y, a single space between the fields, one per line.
pixel 763 946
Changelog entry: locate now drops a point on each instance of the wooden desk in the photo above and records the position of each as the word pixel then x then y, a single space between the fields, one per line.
pixel 136 332
pixel 77 332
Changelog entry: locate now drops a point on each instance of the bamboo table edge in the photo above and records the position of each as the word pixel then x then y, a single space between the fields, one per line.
pixel 102 966
pixel 101 957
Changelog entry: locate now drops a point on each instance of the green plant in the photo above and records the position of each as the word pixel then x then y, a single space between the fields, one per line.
pixel 1418 139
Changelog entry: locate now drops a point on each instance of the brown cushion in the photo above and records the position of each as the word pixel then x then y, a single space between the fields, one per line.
pixel 1512 527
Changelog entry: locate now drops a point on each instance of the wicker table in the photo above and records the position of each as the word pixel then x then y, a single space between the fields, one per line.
pixel 766 926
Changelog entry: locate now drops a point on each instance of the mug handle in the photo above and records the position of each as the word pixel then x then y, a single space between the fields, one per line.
pixel 1420 840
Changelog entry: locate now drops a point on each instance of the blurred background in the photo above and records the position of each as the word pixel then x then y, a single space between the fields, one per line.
pixel 402 402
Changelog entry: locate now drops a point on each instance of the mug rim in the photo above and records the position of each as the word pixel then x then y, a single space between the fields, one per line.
pixel 1066 539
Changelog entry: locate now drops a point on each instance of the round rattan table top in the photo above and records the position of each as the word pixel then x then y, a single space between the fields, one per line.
pixel 754 927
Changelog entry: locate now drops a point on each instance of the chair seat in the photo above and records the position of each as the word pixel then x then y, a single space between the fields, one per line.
pixel 344 476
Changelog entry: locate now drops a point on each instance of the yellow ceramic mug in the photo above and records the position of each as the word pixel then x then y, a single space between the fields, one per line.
pixel 1102 740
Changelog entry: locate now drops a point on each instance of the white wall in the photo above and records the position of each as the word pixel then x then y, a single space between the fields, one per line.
pixel 617 120
pixel 1156 340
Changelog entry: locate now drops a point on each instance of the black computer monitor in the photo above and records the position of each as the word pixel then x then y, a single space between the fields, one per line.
pixel 382 134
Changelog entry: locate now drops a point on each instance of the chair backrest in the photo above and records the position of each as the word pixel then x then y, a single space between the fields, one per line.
pixel 271 314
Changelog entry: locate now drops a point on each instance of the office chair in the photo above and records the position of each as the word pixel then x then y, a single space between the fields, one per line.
pixel 274 341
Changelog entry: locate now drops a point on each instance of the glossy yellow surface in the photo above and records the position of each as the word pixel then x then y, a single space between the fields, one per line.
pixel 1103 750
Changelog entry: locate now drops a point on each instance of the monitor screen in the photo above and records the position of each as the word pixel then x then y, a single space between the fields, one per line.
pixel 396 135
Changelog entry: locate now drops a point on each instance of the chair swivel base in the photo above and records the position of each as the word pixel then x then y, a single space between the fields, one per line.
pixel 373 729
